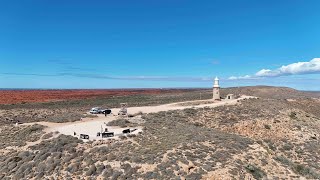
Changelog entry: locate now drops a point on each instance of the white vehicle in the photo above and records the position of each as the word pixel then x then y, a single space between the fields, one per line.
pixel 96 110
pixel 99 110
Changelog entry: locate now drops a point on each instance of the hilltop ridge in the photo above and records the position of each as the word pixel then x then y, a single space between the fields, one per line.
pixel 273 92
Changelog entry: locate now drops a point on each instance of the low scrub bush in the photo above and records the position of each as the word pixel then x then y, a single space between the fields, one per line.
pixel 19 135
pixel 298 168
pixel 121 122
pixel 89 116
pixel 48 135
pixel 293 115
pixel 256 172
pixel 65 117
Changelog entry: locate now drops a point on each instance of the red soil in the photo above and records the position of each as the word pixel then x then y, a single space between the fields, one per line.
pixel 22 96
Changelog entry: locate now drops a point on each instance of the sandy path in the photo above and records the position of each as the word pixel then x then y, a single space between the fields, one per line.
pixel 91 126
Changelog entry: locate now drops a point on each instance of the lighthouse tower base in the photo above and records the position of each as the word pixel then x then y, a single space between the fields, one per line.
pixel 216 89
pixel 216 93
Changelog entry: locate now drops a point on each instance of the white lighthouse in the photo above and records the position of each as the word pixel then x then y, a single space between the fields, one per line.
pixel 216 89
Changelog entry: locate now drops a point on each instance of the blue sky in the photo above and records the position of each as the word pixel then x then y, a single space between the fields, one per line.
pixel 132 44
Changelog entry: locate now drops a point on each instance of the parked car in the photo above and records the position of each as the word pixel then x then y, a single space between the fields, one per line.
pixel 106 111
pixel 96 110
pixel 99 110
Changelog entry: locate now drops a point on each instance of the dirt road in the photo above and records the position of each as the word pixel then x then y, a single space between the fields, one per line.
pixel 91 126
pixel 178 105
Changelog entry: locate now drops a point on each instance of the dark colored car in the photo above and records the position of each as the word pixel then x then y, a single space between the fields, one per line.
pixel 106 111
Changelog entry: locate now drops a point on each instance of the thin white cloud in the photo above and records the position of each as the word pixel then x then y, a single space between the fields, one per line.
pixel 240 77
pixel 310 67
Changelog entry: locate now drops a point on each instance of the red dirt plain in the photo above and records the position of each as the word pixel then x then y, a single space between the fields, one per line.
pixel 24 96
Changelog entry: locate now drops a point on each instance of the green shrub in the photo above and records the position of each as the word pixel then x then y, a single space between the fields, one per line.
pixel 287 146
pixel 293 115
pixel 267 126
pixel 256 172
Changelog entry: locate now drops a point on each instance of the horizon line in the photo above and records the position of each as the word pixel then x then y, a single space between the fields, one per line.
pixel 143 88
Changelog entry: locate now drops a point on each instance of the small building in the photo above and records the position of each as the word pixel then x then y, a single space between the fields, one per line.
pixel 230 96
